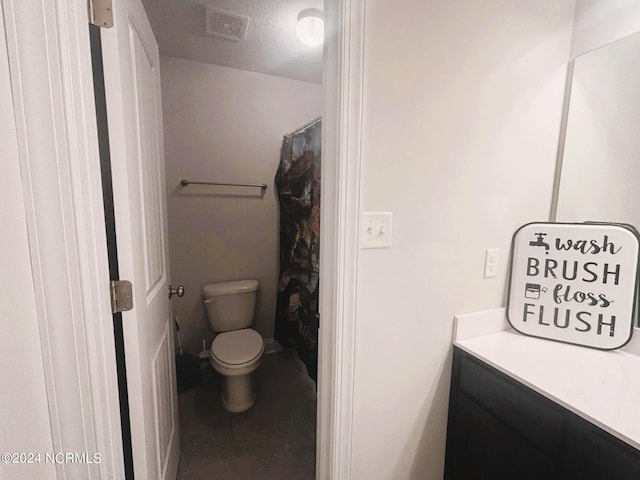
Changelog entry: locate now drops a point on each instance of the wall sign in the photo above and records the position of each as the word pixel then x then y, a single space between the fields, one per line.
pixel 574 283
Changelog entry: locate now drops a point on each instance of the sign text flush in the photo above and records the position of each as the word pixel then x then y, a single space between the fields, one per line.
pixel 574 283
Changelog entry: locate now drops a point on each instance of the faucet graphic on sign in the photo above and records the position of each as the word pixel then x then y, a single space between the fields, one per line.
pixel 539 242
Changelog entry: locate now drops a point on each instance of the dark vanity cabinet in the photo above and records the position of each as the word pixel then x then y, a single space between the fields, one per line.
pixel 499 429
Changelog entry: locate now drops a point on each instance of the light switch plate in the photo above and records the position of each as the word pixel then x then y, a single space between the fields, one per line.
pixel 375 231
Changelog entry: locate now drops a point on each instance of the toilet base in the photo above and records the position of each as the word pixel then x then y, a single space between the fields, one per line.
pixel 238 393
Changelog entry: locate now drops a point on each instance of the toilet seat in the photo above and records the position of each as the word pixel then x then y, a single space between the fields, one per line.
pixel 237 348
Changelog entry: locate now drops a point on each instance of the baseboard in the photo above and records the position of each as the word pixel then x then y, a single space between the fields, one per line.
pixel 305 373
pixel 271 346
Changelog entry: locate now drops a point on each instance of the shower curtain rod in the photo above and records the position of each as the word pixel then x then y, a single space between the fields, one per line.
pixel 306 125
pixel 184 183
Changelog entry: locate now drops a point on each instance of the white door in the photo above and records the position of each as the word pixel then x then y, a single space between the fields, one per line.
pixel 132 84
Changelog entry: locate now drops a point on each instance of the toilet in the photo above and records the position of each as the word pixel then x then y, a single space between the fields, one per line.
pixel 237 349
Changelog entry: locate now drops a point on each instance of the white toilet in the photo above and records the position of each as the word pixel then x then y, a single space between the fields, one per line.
pixel 236 350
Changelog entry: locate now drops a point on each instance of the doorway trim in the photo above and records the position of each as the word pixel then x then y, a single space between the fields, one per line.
pixel 341 150
pixel 52 88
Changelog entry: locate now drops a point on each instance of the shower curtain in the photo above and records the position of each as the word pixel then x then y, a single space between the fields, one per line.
pixel 298 185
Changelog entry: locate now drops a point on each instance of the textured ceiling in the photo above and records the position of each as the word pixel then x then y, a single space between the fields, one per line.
pixel 270 45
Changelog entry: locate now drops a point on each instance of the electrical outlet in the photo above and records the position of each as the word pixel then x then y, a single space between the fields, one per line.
pixel 491 262
pixel 375 230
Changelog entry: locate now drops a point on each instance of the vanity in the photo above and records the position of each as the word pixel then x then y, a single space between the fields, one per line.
pixel 523 408
pixel 532 409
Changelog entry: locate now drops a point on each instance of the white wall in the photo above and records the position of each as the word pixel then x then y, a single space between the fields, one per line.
pixel 598 22
pixel 226 125
pixel 24 414
pixel 462 112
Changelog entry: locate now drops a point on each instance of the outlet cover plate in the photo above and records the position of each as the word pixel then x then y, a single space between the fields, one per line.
pixel 491 262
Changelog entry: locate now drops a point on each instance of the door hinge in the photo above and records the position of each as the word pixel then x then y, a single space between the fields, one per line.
pixel 121 296
pixel 101 13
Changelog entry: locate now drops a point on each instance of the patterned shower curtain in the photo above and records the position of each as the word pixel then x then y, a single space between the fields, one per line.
pixel 298 185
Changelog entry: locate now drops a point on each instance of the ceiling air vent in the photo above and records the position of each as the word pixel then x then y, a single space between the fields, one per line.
pixel 225 24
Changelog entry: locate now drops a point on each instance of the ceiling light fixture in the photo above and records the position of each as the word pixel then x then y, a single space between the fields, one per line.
pixel 310 27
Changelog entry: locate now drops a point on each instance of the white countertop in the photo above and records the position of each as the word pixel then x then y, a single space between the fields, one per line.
pixel 600 386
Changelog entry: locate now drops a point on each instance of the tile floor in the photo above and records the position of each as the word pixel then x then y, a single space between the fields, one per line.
pixel 273 440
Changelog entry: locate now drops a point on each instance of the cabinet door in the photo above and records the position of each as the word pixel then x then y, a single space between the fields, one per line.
pixel 486 448
pixel 501 430
pixel 525 411
pixel 593 454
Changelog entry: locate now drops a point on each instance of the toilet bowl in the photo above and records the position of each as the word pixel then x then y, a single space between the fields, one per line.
pixel 236 350
pixel 235 355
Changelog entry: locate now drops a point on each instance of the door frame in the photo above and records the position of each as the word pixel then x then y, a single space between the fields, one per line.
pixel 52 87
pixel 340 206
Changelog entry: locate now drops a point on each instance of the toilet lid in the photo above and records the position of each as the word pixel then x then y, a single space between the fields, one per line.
pixel 237 346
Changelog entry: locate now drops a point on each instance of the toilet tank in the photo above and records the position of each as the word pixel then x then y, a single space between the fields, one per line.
pixel 230 305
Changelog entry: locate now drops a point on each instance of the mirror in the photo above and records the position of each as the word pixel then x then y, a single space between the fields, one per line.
pixel 600 175
pixel 599 179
